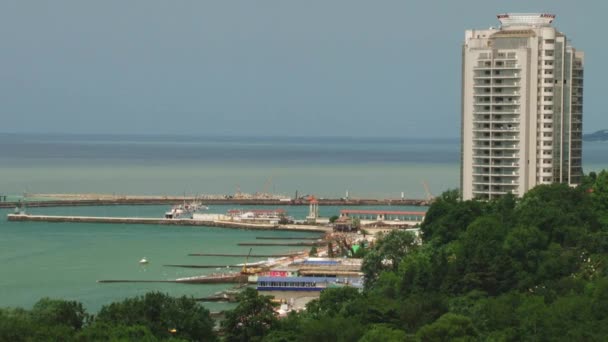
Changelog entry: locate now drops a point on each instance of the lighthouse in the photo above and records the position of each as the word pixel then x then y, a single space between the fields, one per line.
pixel 313 210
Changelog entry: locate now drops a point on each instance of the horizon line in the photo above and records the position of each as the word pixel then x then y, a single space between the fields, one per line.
pixel 216 135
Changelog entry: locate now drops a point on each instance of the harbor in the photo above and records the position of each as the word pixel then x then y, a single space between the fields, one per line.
pixel 277 265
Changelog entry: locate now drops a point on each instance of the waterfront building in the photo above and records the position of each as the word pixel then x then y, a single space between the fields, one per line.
pixel 388 216
pixel 522 107
pixel 269 216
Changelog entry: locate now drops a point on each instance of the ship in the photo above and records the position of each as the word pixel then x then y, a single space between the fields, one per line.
pixel 185 210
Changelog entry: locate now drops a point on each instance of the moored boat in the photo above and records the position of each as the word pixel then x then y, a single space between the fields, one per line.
pixel 184 210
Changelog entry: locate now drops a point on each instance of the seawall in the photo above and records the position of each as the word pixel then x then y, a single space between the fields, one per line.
pixel 228 201
pixel 163 221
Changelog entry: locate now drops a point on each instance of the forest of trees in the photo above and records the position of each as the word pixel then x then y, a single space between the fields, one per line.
pixel 510 269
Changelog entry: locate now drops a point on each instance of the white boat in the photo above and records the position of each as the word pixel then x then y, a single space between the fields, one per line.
pixel 184 210
pixel 143 261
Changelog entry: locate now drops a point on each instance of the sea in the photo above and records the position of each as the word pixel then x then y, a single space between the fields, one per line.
pixel 65 260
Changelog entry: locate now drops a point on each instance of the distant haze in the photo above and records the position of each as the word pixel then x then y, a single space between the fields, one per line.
pixel 255 68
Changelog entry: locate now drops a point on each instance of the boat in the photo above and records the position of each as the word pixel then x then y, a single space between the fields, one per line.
pixel 184 210
pixel 175 212
pixel 143 261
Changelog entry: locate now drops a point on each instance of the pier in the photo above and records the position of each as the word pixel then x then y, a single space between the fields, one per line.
pixel 72 200
pixel 287 238
pixel 246 255
pixel 210 279
pixel 295 244
pixel 163 221
pixel 202 266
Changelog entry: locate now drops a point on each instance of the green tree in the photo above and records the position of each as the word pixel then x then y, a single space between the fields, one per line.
pixel 481 255
pixel 419 309
pixel 106 332
pixel 40 324
pixel 161 314
pixel 448 217
pixel 599 196
pixel 332 300
pixel 549 207
pixel 60 312
pixel 387 253
pixel 333 218
pixel 331 329
pixel 384 333
pixel 449 327
pixel 524 245
pixel 15 325
pixel 252 319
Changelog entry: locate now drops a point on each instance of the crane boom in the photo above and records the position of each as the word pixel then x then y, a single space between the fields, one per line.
pixel 429 196
pixel 246 261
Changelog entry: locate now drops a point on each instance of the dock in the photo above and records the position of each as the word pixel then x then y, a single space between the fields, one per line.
pixel 202 266
pixel 245 255
pixel 230 278
pixel 294 244
pixel 287 238
pixel 164 221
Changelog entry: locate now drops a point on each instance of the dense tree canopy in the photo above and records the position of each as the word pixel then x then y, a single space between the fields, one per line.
pixel 163 315
pixel 152 317
pixel 512 269
pixel 252 318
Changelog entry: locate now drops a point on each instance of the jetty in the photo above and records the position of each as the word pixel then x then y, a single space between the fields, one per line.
pixel 295 244
pixel 202 266
pixel 71 200
pixel 248 255
pixel 219 298
pixel 287 238
pixel 228 278
pixel 167 222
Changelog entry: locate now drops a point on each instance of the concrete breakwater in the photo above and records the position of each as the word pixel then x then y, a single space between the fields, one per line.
pixel 156 200
pixel 210 279
pixel 288 255
pixel 293 244
pixel 163 221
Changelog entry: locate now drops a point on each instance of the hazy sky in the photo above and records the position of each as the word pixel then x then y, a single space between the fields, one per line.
pixel 255 67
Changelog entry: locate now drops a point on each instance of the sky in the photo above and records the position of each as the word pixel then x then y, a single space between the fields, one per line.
pixel 258 68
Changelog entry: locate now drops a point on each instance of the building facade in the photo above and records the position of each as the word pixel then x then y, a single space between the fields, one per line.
pixel 522 107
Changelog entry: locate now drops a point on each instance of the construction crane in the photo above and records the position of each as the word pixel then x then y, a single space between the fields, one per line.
pixel 267 186
pixel 249 270
pixel 429 196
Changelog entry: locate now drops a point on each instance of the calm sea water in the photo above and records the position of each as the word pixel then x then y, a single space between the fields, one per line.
pixel 366 167
pixel 65 260
pixel 174 165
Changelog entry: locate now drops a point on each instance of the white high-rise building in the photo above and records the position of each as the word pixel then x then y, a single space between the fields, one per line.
pixel 522 107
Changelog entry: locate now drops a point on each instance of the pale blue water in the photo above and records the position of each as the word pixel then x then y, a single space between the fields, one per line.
pixel 174 165
pixel 327 167
pixel 65 260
